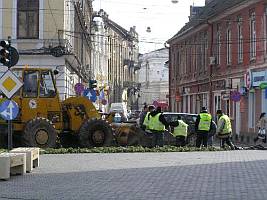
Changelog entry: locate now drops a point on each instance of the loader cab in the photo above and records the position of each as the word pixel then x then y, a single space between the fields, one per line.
pixel 38 84
pixel 38 97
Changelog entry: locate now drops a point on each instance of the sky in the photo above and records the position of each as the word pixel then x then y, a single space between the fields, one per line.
pixel 163 17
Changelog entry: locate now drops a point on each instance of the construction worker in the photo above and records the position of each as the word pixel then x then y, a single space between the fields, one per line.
pixel 224 130
pixel 179 131
pixel 203 126
pixel 145 124
pixel 157 124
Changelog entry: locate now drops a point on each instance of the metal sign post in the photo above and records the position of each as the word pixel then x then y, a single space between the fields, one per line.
pixel 9 124
pixel 9 130
pixel 9 85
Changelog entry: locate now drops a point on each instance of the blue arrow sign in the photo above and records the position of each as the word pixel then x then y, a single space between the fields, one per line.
pixel 90 94
pixel 9 110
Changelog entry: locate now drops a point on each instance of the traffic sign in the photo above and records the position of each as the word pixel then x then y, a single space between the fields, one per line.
pixel 10 84
pixel 9 110
pixel 79 88
pixel 91 94
pixel 235 96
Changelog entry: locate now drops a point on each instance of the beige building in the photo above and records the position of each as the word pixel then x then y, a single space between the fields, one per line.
pixel 115 59
pixel 51 34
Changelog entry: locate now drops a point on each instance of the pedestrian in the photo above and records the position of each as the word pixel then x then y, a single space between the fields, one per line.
pixel 143 115
pixel 179 130
pixel 262 125
pixel 224 130
pixel 157 124
pixel 203 127
pixel 145 123
pixel 212 133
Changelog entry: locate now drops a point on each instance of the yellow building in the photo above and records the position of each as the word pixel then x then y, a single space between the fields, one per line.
pixel 51 34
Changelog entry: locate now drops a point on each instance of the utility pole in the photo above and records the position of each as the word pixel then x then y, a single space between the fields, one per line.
pixel 210 68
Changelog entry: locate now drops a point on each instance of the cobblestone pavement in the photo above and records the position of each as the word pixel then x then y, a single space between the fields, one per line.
pixel 196 175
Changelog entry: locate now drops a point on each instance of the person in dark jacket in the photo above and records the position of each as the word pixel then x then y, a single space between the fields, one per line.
pixel 212 133
pixel 203 126
pixel 157 125
pixel 143 115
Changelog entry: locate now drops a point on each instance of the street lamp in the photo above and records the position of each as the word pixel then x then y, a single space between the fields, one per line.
pixel 148 29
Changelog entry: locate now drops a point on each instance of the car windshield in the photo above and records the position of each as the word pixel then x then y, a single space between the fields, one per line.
pixel 188 118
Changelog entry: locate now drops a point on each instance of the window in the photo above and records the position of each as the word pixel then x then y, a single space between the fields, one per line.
pixel 47 88
pixel 30 80
pixel 217 102
pixel 227 107
pixel 240 39
pixel 252 36
pixel 28 19
pixel 228 45
pixel 205 50
pixel 218 45
pixel 265 18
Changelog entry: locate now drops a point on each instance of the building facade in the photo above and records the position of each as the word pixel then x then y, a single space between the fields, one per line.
pixel 122 63
pixel 218 60
pixel 153 77
pixel 51 34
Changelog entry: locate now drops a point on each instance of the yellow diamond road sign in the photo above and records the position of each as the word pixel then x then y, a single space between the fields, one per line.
pixel 10 84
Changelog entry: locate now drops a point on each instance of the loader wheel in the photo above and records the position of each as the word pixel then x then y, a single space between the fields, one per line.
pixel 95 133
pixel 39 132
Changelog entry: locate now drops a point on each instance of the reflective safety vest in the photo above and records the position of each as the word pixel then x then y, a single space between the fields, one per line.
pixel 155 124
pixel 181 129
pixel 146 121
pixel 227 124
pixel 204 122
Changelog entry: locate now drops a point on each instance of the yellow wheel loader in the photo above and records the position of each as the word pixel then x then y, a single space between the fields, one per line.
pixel 43 117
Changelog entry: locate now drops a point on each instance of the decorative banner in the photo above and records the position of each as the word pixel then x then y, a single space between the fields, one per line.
pixel 247 78
pixel 235 96
pixel 101 95
pixel 104 102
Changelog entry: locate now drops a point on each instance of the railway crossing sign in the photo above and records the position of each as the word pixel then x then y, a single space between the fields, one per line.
pixel 10 84
pixel 9 110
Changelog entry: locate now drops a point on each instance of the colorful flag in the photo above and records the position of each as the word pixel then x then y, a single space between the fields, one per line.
pixel 101 95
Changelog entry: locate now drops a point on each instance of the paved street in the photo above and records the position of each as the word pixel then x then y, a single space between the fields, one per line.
pixel 197 175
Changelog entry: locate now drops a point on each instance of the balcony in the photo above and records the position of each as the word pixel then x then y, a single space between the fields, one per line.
pixel 56 47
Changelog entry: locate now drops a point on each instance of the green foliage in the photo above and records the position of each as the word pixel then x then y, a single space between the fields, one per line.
pixel 3 150
pixel 129 149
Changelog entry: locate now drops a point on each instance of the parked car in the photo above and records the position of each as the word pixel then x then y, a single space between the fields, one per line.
pixel 188 118
pixel 119 108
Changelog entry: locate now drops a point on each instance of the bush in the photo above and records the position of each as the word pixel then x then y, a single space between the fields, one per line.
pixel 2 150
pixel 129 149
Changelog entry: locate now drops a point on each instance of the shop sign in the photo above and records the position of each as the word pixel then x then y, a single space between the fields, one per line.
pixel 258 78
pixel 225 97
pixel 263 85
